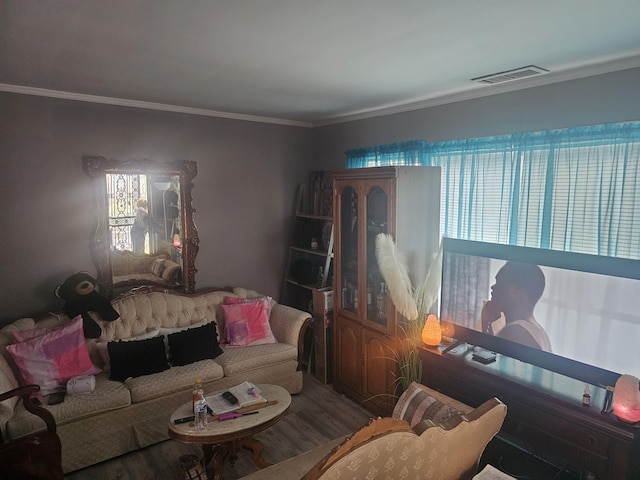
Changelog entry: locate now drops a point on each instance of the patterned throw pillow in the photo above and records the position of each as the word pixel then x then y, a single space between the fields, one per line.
pixel 24 335
pixel 247 323
pixel 51 359
pixel 422 410
pixel 234 300
pixel 157 267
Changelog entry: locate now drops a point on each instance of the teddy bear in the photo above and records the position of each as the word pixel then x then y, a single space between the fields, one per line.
pixel 79 291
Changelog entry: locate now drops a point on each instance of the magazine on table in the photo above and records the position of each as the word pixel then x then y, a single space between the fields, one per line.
pixel 489 472
pixel 246 393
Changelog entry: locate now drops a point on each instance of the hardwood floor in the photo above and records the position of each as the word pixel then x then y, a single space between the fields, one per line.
pixel 316 416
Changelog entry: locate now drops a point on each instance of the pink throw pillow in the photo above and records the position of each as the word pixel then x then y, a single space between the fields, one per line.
pixel 247 323
pixel 23 335
pixel 51 359
pixel 234 300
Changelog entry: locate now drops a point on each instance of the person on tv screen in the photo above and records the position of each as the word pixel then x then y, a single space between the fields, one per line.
pixel 509 313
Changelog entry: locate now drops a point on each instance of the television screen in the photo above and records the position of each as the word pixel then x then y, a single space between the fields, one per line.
pixel 575 314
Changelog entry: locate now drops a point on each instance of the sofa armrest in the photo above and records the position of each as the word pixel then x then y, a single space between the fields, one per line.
pixel 449 401
pixel 288 325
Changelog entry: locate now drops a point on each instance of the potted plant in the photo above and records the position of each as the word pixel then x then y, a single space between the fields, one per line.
pixel 413 304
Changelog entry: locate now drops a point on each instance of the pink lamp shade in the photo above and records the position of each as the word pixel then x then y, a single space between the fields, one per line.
pixel 626 399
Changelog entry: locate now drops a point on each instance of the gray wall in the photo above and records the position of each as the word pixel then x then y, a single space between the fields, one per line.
pixel 243 194
pixel 247 177
pixel 593 100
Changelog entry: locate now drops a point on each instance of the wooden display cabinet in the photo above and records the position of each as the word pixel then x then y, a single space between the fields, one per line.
pixel 403 202
pixel 322 334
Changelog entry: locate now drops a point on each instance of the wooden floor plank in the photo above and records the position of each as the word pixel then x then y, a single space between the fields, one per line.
pixel 317 415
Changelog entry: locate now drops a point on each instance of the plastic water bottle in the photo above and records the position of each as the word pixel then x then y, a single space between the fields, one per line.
pixel 200 413
pixel 199 406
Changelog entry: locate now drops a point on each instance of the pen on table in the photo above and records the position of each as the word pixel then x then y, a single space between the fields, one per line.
pixel 178 421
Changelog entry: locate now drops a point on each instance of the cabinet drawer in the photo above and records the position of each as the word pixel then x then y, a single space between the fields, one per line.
pixel 547 442
pixel 570 432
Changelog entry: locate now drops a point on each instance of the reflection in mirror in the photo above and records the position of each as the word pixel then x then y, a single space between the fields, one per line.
pixel 144 228
pixel 145 233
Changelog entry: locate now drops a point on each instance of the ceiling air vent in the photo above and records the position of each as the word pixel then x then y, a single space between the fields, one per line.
pixel 509 75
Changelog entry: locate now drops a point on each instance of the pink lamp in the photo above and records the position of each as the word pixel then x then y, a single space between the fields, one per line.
pixel 626 399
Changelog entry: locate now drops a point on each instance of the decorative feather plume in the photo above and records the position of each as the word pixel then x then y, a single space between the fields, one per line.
pixel 427 293
pixel 394 271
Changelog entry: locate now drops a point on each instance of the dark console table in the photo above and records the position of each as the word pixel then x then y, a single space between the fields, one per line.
pixel 544 410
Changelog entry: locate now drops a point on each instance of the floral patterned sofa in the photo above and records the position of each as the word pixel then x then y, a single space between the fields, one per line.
pixel 131 412
pixel 428 436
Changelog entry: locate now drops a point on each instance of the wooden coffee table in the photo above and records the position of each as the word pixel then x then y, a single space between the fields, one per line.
pixel 221 441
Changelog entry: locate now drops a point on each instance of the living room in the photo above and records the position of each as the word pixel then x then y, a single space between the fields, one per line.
pixel 249 164
pixel 241 165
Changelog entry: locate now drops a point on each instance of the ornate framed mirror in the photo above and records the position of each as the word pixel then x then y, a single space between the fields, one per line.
pixel 144 230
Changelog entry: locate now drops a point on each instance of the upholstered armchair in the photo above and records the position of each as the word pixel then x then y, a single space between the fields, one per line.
pixel 37 456
pixel 428 436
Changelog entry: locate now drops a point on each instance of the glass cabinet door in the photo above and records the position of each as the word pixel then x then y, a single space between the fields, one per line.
pixel 349 249
pixel 377 219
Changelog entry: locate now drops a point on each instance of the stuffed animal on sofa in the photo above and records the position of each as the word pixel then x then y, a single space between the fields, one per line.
pixel 81 296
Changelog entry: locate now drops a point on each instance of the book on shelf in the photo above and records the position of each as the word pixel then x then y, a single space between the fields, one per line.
pixel 246 393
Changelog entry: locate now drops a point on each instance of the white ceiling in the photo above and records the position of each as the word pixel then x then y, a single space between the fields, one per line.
pixel 305 62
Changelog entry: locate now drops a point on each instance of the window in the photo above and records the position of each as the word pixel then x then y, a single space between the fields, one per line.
pixel 574 189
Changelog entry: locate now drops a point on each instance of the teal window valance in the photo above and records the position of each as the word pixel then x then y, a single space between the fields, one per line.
pixel 575 189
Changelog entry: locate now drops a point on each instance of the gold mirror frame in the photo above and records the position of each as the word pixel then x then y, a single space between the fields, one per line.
pixel 98 168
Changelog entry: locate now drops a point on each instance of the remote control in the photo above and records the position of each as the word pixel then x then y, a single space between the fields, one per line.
pixel 230 397
pixel 178 421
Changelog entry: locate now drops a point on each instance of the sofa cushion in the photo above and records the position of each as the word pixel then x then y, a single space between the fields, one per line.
pixel 166 331
pixel 171 271
pixel 176 379
pixel 422 410
pixel 239 360
pixel 107 395
pixel 99 351
pixel 157 267
pixel 51 359
pixel 133 359
pixel 194 344
pixel 247 324
pixel 228 300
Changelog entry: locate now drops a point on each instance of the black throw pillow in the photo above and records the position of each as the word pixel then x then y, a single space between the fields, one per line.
pixel 136 358
pixel 195 344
